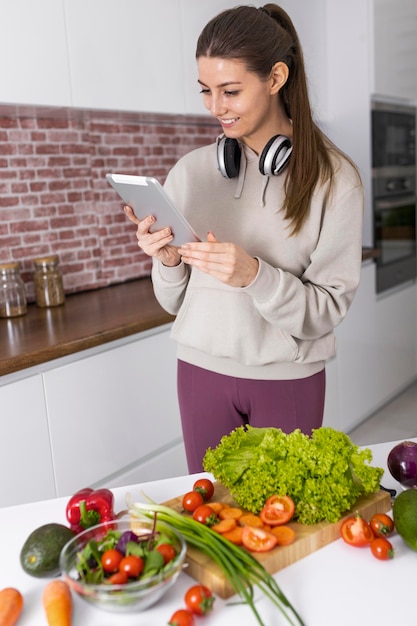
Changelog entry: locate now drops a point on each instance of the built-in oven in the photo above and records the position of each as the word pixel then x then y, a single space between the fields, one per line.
pixel 394 193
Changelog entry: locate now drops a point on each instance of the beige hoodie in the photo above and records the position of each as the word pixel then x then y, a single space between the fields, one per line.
pixel 281 325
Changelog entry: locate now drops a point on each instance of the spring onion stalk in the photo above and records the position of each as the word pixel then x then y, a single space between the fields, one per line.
pixel 240 568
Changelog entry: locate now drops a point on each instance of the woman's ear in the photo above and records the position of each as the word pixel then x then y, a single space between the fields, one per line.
pixel 279 76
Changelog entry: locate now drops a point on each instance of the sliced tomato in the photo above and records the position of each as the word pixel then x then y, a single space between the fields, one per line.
pixel 356 531
pixel 258 539
pixel 277 510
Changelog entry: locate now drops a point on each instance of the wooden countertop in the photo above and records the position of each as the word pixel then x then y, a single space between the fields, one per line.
pixel 85 320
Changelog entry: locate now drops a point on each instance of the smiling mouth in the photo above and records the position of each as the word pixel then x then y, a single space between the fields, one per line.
pixel 229 122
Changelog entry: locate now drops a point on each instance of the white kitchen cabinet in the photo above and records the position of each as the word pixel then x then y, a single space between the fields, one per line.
pixel 33 53
pixel 377 347
pixel 395 48
pixel 25 461
pixel 112 412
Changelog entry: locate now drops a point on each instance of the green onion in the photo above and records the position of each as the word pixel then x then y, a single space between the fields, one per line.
pixel 240 568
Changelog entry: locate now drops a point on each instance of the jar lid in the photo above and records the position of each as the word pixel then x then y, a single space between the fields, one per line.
pixel 46 260
pixel 9 266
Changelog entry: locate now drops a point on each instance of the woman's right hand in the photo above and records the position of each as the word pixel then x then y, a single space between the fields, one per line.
pixel 154 244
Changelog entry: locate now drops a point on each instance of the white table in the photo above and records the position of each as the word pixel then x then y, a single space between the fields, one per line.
pixel 336 586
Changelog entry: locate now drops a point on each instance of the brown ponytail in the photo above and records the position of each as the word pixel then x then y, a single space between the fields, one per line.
pixel 260 38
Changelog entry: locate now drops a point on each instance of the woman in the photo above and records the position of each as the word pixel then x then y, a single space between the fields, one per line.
pixel 278 265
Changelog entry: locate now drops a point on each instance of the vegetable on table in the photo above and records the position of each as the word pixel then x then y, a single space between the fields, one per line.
pixel 11 606
pixel 324 473
pixel 199 600
pixel 240 568
pixel 382 525
pixel 277 510
pixel 182 617
pixel 382 549
pixel 356 531
pixel 205 487
pixel 89 507
pixel 57 603
pixel 402 463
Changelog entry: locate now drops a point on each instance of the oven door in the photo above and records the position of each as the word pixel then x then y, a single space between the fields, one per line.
pixel 395 239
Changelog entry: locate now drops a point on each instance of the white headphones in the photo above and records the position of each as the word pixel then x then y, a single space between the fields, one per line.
pixel 273 159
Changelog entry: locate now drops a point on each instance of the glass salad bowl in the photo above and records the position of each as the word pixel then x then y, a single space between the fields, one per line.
pixel 79 568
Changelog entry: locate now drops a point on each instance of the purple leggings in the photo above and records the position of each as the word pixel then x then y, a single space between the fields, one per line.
pixel 212 405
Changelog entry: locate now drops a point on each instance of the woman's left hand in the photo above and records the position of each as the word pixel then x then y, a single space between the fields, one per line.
pixel 225 261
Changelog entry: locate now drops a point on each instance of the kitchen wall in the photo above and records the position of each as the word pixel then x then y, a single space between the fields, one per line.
pixel 53 194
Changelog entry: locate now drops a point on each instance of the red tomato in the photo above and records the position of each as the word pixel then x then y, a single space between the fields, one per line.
pixel 132 566
pixel 382 525
pixel 199 600
pixel 182 617
pixel 277 510
pixel 167 551
pixel 257 539
pixel 191 501
pixel 382 549
pixel 119 578
pixel 205 515
pixel 356 531
pixel 205 487
pixel 110 560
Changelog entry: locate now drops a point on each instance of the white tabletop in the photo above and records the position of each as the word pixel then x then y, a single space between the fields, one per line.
pixel 336 586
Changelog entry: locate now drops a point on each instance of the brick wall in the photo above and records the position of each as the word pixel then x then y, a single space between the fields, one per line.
pixel 54 198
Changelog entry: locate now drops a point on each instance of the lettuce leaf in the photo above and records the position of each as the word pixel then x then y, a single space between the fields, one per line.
pixel 324 474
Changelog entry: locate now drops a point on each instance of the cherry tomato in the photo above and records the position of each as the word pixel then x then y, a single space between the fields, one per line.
pixel 205 487
pixel 192 500
pixel 257 539
pixel 205 515
pixel 110 560
pixel 167 551
pixel 382 549
pixel 132 566
pixel 182 617
pixel 119 578
pixel 356 531
pixel 199 600
pixel 277 510
pixel 382 525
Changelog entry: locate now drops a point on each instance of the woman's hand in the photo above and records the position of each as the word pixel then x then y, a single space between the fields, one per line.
pixel 154 244
pixel 225 261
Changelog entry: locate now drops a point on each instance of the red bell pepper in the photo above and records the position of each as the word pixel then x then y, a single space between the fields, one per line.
pixel 89 507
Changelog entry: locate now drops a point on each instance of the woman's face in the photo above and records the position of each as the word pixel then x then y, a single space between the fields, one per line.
pixel 246 107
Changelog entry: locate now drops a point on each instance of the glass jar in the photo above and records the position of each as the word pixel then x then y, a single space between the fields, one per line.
pixel 49 289
pixel 12 291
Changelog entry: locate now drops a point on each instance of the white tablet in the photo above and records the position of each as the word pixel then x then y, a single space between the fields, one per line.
pixel 146 196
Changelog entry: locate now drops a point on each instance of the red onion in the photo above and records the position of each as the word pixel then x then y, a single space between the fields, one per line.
pixel 402 463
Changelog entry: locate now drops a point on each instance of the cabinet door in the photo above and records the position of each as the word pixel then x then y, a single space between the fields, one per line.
pixel 395 48
pixel 33 53
pixel 126 54
pixel 111 410
pixel 25 460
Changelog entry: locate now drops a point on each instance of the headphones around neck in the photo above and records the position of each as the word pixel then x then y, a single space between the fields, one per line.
pixel 273 159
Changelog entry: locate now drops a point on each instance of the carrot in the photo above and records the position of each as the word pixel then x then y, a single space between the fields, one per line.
pixel 216 506
pixel 284 534
pixel 11 606
pixel 224 525
pixel 57 602
pixel 235 535
pixel 250 519
pixel 230 511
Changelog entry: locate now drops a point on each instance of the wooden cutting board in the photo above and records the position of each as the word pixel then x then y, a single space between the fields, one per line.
pixel 309 539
